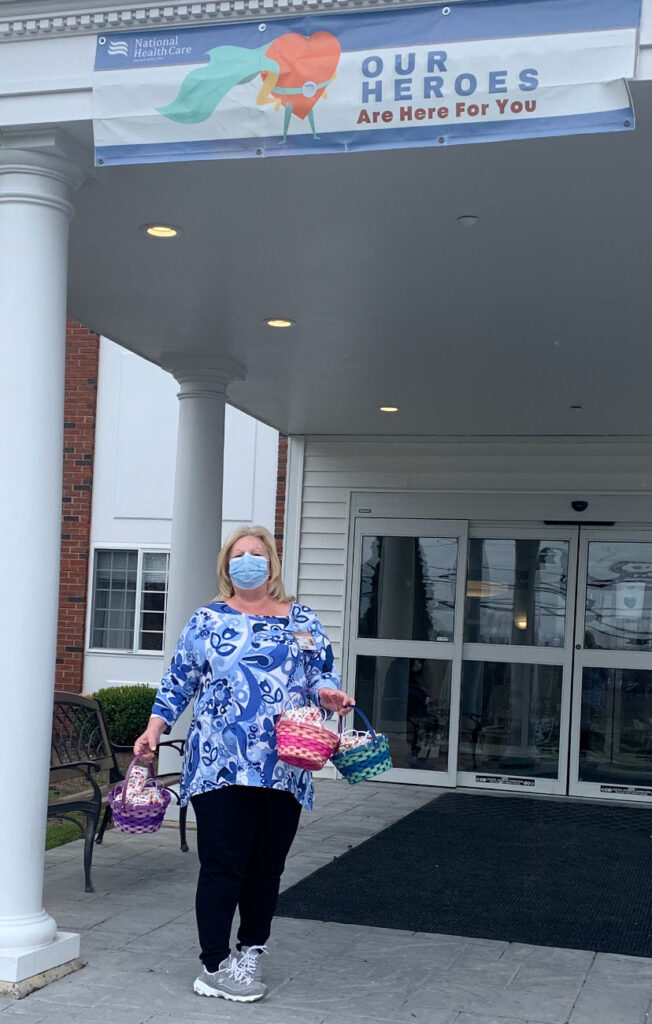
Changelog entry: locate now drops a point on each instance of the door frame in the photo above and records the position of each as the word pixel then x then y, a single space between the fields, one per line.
pixel 427 650
pixel 629 513
pixel 512 654
pixel 586 658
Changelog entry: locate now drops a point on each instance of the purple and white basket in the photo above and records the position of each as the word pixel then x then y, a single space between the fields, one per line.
pixel 138 818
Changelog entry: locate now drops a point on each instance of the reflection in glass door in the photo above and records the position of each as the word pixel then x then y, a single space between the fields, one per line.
pixel 611 752
pixel 517 659
pixel 407 606
pixel 513 658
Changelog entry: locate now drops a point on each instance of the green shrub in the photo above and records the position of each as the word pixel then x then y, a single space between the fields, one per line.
pixel 127 710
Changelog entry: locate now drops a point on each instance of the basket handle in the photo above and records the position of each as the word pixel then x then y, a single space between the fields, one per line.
pixel 370 728
pixel 304 694
pixel 126 781
pixel 290 697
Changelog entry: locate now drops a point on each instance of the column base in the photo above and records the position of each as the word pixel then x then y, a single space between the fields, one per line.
pixel 19 965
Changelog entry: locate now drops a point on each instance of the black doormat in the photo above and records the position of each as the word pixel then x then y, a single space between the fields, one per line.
pixel 538 871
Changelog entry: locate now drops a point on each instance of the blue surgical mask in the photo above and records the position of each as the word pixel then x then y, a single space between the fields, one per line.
pixel 248 571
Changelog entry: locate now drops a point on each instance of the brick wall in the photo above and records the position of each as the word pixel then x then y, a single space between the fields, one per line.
pixel 279 515
pixel 82 355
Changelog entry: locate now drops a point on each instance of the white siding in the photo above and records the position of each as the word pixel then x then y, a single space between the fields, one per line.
pixel 334 468
pixel 135 457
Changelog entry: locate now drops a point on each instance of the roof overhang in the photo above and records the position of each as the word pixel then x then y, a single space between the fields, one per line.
pixel 501 328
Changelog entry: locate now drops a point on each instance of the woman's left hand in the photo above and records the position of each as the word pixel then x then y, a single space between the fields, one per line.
pixel 336 700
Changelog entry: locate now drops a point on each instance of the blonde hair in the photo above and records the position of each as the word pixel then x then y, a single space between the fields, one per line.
pixel 275 586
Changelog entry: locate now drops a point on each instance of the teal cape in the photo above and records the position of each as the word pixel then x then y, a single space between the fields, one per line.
pixel 203 88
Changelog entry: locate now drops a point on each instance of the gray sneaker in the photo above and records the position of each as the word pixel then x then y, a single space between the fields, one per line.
pixel 238 978
pixel 255 954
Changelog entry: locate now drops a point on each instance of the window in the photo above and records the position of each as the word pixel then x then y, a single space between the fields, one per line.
pixel 153 600
pixel 129 600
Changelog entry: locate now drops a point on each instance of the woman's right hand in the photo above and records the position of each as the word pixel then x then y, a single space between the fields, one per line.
pixel 146 744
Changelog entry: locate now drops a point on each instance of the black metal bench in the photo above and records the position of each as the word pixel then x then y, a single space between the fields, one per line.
pixel 82 748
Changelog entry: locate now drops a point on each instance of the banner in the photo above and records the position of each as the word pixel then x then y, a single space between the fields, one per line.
pixel 436 75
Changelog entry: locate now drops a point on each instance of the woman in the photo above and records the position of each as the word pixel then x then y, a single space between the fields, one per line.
pixel 240 657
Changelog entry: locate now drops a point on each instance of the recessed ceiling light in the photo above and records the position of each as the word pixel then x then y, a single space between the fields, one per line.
pixel 468 220
pixel 161 231
pixel 278 321
pixel 389 408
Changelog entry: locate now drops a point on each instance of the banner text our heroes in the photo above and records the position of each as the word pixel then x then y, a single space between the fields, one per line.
pixel 432 84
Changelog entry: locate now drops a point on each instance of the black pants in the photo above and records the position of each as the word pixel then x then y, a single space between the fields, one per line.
pixel 244 834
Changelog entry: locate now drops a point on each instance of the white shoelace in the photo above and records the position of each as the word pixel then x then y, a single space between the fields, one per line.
pixel 243 970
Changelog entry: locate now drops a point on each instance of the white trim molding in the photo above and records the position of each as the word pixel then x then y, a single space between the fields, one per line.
pixel 33 20
pixel 292 517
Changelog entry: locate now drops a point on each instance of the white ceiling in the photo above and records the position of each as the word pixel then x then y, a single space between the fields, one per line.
pixel 496 329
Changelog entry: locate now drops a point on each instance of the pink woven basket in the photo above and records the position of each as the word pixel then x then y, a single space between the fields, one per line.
pixel 304 745
pixel 137 818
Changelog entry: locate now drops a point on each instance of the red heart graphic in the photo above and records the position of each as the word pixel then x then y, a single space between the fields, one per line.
pixel 303 59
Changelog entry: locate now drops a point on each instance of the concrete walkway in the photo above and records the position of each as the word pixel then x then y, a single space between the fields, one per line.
pixel 140 946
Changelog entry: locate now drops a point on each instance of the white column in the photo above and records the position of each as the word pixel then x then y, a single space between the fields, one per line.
pixel 35 190
pixel 197 507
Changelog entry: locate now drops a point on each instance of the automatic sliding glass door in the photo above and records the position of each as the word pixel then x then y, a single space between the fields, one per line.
pixel 611 751
pixel 405 649
pixel 513 658
pixel 517 659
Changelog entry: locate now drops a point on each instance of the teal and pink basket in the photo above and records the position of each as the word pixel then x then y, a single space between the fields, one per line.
pixel 366 760
pixel 309 745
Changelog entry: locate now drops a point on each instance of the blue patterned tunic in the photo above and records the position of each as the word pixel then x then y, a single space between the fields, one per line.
pixel 240 670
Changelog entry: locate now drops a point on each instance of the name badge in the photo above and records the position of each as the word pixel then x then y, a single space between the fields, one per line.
pixel 305 641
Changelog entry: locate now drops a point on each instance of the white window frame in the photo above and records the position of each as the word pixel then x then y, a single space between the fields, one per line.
pixel 140 549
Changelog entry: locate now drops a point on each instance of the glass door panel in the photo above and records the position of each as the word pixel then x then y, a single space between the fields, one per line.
pixel 618 603
pixel 407 588
pixel 611 749
pixel 517 658
pixel 510 719
pixel 516 591
pixel 409 700
pixel 616 727
pixel 405 651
